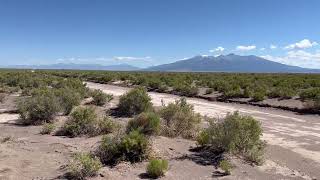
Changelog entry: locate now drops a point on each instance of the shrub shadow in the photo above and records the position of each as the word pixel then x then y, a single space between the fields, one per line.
pixel 203 156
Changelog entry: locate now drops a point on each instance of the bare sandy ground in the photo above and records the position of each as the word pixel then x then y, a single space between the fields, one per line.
pixel 292 151
pixel 293 140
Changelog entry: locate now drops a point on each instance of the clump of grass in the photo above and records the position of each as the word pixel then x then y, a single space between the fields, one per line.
pixel 100 98
pixel 134 102
pixel 225 166
pixel 157 168
pixel 147 123
pixel 47 128
pixel 83 165
pixel 180 119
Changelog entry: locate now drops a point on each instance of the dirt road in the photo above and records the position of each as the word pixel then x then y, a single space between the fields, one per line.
pixel 293 140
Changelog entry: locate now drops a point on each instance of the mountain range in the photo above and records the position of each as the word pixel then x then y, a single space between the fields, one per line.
pixel 222 63
pixel 69 66
pixel 230 63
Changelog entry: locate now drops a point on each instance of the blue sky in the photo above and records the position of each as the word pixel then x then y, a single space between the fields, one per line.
pixel 151 32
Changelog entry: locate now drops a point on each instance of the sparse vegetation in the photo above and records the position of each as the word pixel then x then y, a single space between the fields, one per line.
pixel 40 108
pixel 225 166
pixel 134 102
pixel 147 123
pixel 179 119
pixel 236 134
pixel 157 168
pixel 84 121
pixel 100 98
pixel 47 128
pixel 68 99
pixel 83 165
pixel 131 147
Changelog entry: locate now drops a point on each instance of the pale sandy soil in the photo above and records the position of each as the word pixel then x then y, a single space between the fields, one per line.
pixel 296 137
pixel 292 152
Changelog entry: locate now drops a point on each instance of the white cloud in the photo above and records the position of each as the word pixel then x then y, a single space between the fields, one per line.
pixel 272 46
pixel 218 49
pixel 262 49
pixel 246 48
pixel 298 58
pixel 303 44
pixel 129 58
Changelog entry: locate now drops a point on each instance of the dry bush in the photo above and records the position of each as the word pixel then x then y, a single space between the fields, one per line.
pixel 236 134
pixel 133 147
pixel 147 123
pixel 179 119
pixel 83 165
pixel 134 102
pixel 47 128
pixel 40 108
pixel 84 121
pixel 100 98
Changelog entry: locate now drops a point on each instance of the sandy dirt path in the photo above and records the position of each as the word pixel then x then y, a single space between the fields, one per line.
pixel 293 140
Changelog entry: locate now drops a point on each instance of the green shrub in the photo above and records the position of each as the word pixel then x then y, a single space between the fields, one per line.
pixel 157 168
pixel 109 150
pixel 42 107
pixel 186 90
pixel 100 98
pixel 247 92
pixel 106 125
pixel 180 119
pixel 131 147
pixel 82 121
pixel 258 96
pixel 147 123
pixel 282 92
pixel 225 166
pixel 233 93
pixel 311 93
pixel 134 146
pixel 68 99
pixel 84 165
pixel 134 102
pixel 47 128
pixel 236 134
pixel 203 138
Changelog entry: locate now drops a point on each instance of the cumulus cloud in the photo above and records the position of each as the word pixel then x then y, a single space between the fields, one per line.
pixel 298 58
pixel 303 44
pixel 218 49
pixel 246 48
pixel 272 46
pixel 129 58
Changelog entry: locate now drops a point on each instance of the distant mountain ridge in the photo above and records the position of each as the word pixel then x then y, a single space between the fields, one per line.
pixel 222 63
pixel 230 63
pixel 72 66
